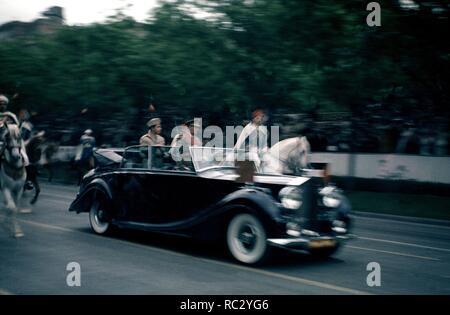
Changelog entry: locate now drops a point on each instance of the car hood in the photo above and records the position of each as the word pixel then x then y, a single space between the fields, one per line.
pixel 273 179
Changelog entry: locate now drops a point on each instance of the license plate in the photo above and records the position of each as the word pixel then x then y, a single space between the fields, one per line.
pixel 322 243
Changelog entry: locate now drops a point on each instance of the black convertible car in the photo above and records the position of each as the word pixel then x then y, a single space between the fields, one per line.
pixel 210 196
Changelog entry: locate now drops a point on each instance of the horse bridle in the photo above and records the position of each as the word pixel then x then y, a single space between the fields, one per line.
pixel 6 139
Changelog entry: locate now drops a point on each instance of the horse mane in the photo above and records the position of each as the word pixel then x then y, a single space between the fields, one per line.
pixel 289 155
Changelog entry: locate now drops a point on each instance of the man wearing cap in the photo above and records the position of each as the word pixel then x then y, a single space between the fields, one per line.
pixel 185 137
pixel 153 136
pixel 187 134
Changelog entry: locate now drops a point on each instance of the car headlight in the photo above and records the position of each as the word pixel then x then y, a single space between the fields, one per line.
pixel 291 197
pixel 331 201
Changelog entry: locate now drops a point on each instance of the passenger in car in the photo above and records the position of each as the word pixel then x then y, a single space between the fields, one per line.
pixel 153 136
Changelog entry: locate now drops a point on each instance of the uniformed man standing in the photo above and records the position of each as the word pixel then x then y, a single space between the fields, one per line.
pixel 254 137
pixel 84 158
pixel 153 136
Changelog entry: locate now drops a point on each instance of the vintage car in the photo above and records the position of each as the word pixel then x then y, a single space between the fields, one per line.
pixel 213 195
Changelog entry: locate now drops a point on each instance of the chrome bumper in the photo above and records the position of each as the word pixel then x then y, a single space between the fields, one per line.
pixel 307 242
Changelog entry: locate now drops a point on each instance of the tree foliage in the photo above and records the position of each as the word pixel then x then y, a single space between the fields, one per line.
pixel 281 54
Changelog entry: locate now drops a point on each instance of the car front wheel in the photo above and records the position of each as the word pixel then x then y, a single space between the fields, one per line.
pixel 97 217
pixel 246 239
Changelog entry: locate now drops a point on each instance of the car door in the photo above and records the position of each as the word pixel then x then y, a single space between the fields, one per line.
pixel 149 183
pixel 134 186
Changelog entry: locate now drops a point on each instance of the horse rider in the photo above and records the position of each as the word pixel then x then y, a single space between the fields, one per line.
pixel 15 183
pixel 11 118
pixel 34 151
pixel 4 113
pixel 153 136
pixel 25 126
pixel 254 137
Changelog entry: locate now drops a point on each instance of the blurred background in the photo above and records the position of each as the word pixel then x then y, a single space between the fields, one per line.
pixel 316 64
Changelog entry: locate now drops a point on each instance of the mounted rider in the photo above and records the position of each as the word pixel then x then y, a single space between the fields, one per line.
pixel 25 126
pixel 11 118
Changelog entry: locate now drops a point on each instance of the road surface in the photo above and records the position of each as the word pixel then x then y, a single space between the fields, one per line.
pixel 414 258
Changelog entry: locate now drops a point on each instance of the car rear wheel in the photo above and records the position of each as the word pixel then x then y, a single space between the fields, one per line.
pixel 246 239
pixel 97 217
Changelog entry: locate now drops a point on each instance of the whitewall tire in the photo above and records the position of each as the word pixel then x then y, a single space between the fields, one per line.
pixel 246 239
pixel 96 218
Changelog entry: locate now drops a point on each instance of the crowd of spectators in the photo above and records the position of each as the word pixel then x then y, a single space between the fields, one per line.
pixel 378 130
pixel 375 129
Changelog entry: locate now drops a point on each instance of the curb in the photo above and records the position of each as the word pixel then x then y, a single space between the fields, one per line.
pixel 401 218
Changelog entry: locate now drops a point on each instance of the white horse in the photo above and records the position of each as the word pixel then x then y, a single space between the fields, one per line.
pixel 288 156
pixel 12 174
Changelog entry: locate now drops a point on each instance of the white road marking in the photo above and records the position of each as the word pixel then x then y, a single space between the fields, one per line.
pixel 402 243
pixel 314 283
pixel 434 226
pixel 47 226
pixel 66 197
pixel 319 284
pixel 392 253
pixel 56 201
pixel 5 292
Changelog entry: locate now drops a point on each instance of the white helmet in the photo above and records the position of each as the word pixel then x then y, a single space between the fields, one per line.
pixel 88 132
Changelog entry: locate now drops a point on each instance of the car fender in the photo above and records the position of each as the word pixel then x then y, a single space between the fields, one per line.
pixel 83 201
pixel 257 199
pixel 254 200
pixel 100 184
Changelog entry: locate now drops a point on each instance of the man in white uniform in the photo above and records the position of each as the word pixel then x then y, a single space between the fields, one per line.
pixel 254 137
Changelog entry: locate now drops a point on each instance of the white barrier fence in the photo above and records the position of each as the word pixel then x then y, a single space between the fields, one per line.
pixel 65 153
pixel 432 169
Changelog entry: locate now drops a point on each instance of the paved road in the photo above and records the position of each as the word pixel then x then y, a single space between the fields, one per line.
pixel 414 258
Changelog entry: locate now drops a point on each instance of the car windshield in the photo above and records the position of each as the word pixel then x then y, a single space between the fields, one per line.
pixel 210 157
pixel 156 158
pixel 195 159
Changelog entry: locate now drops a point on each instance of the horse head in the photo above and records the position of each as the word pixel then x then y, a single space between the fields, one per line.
pixel 12 144
pixel 289 156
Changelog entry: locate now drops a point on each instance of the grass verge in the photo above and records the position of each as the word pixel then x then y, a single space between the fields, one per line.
pixel 423 206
